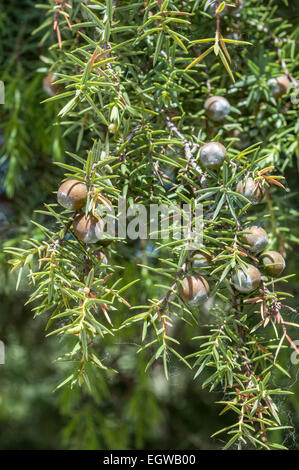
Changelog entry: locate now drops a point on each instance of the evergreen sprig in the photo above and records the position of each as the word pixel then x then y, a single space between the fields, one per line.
pixel 129 86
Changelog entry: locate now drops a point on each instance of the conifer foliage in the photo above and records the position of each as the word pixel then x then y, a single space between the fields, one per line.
pixel 172 102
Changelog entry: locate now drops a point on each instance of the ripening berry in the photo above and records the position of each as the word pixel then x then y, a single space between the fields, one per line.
pixel 279 85
pixel 217 108
pixel 49 87
pixel 199 261
pixel 251 189
pixel 101 256
pixel 88 228
pixel 248 281
pixel 212 155
pixel 194 290
pixel 72 194
pixel 273 263
pixel 256 238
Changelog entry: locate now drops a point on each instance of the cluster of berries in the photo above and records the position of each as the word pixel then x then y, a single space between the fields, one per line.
pixel 194 289
pixel 72 195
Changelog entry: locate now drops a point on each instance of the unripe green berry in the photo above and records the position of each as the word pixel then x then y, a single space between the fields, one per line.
pixel 217 108
pixel 273 263
pixel 72 194
pixel 212 155
pixel 256 238
pixel 246 281
pixel 194 290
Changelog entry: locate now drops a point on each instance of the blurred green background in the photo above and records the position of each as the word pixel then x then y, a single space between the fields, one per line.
pixel 131 410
